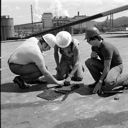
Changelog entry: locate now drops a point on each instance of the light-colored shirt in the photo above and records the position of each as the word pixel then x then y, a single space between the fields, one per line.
pixel 28 52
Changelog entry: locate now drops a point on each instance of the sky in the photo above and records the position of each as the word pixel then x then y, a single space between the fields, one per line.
pixel 20 10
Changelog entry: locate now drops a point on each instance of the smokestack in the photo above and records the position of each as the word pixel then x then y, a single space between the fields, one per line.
pixel 78 13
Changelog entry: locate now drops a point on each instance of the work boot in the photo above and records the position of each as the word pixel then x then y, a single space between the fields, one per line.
pixel 20 82
pixel 37 81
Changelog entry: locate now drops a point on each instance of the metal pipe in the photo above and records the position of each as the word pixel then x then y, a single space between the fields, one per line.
pixel 99 15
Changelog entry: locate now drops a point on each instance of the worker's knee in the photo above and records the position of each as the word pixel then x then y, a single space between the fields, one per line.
pixel 109 82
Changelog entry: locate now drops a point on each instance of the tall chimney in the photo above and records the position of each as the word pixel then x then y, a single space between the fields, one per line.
pixel 78 13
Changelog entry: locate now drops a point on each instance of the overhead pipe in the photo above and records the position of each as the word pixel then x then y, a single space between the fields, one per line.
pixel 99 15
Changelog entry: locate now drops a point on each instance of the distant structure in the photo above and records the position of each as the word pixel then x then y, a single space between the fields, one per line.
pixel 22 30
pixel 111 21
pixel 80 28
pixel 48 22
pixel 7 27
pixel 59 21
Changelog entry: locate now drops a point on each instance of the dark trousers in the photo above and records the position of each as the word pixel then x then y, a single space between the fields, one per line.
pixel 28 72
pixel 114 77
pixel 66 67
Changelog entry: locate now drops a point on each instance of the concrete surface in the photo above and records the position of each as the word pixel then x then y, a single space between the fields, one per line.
pixel 23 109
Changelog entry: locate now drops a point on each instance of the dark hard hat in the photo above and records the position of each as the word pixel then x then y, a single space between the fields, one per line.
pixel 91 32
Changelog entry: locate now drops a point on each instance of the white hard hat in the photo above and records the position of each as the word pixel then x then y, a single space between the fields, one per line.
pixel 50 39
pixel 63 39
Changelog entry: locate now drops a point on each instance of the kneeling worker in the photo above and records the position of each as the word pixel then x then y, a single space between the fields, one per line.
pixel 28 62
pixel 105 64
pixel 67 57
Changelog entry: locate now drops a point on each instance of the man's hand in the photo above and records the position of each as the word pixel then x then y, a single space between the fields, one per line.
pixel 97 88
pixel 94 54
pixel 61 82
pixel 67 81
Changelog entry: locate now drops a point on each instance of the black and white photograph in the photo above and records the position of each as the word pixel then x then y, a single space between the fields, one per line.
pixel 64 64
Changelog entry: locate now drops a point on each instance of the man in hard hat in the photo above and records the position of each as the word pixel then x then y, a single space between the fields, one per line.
pixel 28 62
pixel 68 61
pixel 105 64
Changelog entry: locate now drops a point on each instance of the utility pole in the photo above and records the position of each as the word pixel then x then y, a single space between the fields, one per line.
pixel 111 21
pixel 32 17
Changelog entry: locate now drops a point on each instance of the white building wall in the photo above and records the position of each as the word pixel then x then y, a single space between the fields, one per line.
pixel 47 20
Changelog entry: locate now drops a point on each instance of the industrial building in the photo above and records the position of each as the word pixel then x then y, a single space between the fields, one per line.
pixel 7 27
pixel 48 22
pixel 9 30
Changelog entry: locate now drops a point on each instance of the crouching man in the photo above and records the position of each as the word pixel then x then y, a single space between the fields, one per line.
pixel 28 63
pixel 105 64
pixel 67 58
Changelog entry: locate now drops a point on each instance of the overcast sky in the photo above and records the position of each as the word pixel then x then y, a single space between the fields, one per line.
pixel 20 10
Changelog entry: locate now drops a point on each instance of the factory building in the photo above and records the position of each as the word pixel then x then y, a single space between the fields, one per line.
pixel 7 27
pixel 48 22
